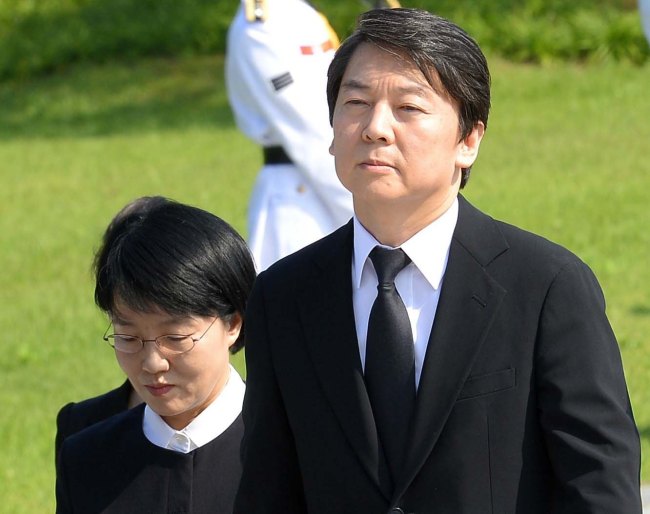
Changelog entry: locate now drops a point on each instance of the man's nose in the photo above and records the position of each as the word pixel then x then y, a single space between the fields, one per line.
pixel 379 125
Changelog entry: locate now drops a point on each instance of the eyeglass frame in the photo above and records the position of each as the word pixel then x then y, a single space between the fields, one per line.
pixel 161 349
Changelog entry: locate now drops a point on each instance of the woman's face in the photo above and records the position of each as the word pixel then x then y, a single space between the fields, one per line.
pixel 177 387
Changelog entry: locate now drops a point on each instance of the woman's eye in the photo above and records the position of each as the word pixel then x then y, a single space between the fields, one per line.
pixel 126 339
pixel 175 338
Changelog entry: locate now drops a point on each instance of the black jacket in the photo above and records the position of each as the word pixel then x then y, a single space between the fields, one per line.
pixel 112 468
pixel 522 406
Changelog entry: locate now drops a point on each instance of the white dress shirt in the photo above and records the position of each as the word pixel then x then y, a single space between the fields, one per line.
pixel 207 426
pixel 418 283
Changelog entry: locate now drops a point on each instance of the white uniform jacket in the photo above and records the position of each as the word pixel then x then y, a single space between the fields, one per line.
pixel 644 10
pixel 276 75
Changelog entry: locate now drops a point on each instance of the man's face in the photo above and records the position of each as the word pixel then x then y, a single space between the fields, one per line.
pixel 396 140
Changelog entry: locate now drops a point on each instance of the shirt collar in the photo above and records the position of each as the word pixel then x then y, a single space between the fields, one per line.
pixel 428 248
pixel 207 426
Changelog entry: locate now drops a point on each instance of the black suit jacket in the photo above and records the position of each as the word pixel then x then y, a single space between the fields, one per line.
pixel 522 405
pixel 112 468
pixel 74 417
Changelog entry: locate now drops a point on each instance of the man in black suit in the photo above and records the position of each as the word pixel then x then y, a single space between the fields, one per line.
pixel 506 392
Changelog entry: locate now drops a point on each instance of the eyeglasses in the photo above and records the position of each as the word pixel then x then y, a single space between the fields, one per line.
pixel 169 344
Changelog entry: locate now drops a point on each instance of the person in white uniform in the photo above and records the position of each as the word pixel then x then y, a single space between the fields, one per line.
pixel 644 10
pixel 278 52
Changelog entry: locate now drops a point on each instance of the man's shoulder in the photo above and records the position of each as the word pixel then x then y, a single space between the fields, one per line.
pixel 524 263
pixel 314 254
pixel 480 226
pixel 536 247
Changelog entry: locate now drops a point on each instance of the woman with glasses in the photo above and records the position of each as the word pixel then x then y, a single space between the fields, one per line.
pixel 174 281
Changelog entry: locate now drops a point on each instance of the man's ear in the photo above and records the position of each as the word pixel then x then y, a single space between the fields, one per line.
pixel 468 147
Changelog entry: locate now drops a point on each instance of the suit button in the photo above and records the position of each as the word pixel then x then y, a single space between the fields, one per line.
pixel 395 510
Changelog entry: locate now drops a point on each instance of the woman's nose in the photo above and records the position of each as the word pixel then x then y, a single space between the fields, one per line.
pixel 153 360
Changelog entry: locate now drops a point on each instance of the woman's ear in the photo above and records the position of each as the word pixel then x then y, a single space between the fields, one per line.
pixel 233 328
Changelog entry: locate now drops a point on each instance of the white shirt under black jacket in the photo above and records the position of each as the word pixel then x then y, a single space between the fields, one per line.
pixel 207 426
pixel 418 283
pixel 129 465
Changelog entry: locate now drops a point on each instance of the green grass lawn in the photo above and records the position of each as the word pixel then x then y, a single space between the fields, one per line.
pixel 564 156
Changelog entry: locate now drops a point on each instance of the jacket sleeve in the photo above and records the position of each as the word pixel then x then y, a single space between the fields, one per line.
pixel 63 505
pixel 584 408
pixel 62 429
pixel 271 480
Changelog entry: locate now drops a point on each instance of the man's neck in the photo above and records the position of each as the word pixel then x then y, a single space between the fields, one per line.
pixel 392 224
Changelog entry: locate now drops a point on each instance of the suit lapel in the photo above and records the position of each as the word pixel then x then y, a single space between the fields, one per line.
pixel 469 300
pixel 328 320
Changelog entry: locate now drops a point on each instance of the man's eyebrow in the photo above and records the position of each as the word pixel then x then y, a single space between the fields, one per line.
pixel 354 84
pixel 416 90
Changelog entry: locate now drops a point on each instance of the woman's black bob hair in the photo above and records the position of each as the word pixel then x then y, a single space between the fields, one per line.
pixel 161 254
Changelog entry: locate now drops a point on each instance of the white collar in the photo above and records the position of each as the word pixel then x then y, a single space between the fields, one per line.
pixel 428 248
pixel 207 426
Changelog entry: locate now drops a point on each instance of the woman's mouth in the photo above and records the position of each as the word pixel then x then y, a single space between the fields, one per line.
pixel 160 389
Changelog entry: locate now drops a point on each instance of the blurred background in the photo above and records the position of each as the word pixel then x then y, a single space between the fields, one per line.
pixel 102 101
pixel 39 36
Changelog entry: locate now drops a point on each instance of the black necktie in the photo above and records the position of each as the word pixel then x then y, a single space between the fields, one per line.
pixel 390 361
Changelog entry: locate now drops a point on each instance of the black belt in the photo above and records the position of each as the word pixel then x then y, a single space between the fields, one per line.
pixel 276 155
